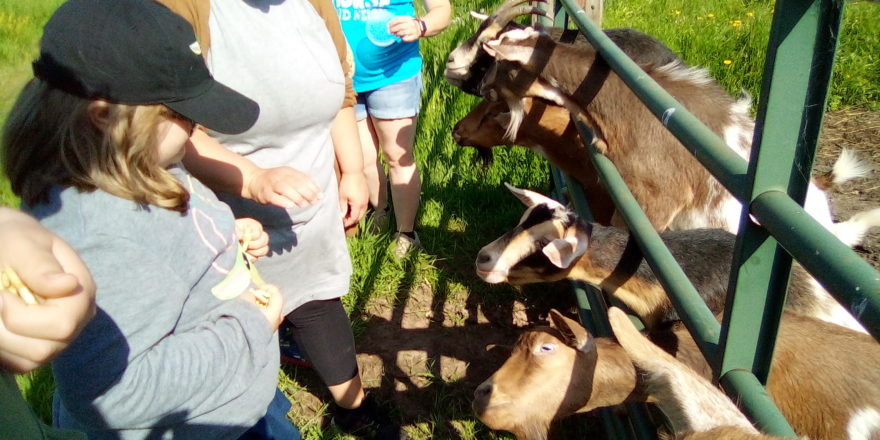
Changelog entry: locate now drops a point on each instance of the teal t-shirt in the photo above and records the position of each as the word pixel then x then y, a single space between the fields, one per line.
pixel 380 57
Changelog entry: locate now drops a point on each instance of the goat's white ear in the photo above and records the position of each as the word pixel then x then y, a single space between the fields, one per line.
pixel 531 198
pixel 479 16
pixel 564 251
pixel 502 51
pixel 575 335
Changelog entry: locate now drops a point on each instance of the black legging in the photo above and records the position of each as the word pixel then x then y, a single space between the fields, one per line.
pixel 323 332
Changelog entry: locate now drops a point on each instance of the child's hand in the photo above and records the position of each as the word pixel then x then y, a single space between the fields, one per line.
pixel 269 300
pixel 251 232
pixel 282 186
pixel 33 334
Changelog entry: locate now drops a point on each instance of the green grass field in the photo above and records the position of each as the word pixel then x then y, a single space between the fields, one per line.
pixel 726 36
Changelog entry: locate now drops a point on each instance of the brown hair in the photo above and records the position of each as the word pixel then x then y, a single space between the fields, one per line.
pixel 50 139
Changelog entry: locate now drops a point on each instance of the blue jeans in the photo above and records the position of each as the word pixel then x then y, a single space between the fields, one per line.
pixel 395 101
pixel 274 425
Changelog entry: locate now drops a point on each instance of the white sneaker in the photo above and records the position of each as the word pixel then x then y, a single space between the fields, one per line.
pixel 403 245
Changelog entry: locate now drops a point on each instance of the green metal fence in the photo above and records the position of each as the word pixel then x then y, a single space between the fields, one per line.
pixel 771 185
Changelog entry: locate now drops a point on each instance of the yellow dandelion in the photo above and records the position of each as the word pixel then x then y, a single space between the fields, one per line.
pixel 677 12
pixel 736 23
pixel 710 15
pixel 728 62
pixel 750 14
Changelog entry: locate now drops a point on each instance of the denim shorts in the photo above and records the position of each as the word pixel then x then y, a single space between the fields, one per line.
pixel 394 101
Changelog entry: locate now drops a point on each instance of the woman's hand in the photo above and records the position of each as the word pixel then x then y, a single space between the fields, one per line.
pixel 282 186
pixel 31 335
pixel 250 231
pixel 406 28
pixel 353 197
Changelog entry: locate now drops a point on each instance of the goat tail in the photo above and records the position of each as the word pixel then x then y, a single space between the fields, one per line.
pixel 851 232
pixel 864 425
pixel 848 166
pixel 689 401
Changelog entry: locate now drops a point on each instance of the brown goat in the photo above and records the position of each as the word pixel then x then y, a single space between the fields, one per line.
pixel 694 407
pixel 825 379
pixel 530 64
pixel 552 243
pixel 546 129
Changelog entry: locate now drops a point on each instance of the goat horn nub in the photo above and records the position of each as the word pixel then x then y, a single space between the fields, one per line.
pixel 511 14
pixel 507 12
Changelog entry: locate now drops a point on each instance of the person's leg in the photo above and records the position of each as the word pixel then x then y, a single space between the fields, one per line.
pixel 274 425
pixel 396 138
pixel 373 169
pixel 393 111
pixel 323 331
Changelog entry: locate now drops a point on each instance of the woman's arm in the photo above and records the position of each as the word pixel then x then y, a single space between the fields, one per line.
pixel 226 171
pixel 435 21
pixel 353 193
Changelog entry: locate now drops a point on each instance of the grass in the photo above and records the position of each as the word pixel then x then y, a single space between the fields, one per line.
pixel 463 205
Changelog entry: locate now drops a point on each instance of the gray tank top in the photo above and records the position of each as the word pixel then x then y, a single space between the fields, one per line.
pixel 279 53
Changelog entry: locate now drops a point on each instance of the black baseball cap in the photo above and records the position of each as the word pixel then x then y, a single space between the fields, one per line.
pixel 137 52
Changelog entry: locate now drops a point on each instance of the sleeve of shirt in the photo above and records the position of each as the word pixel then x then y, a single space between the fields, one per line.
pixel 326 10
pixel 134 367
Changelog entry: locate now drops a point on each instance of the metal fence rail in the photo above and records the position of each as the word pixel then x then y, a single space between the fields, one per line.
pixel 771 186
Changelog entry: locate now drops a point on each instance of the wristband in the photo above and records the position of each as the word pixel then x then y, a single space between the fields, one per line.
pixel 422 26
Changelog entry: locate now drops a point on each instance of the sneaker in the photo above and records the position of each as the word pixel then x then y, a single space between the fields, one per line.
pixel 403 244
pixel 290 352
pixel 380 221
pixel 368 421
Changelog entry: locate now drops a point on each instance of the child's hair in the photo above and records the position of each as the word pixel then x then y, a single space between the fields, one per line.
pixel 49 139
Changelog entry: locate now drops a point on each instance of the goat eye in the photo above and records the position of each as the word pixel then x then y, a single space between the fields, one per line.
pixel 546 348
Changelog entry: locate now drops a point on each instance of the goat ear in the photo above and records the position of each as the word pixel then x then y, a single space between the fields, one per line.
pixel 564 251
pixel 508 46
pixel 575 335
pixel 531 198
pixel 479 16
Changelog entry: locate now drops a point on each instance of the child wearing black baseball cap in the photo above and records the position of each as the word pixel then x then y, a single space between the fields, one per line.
pixel 180 346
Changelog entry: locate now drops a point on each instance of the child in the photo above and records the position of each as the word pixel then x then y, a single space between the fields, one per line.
pixel 179 347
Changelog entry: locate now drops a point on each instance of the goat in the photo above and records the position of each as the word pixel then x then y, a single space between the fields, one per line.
pixel 694 407
pixel 825 379
pixel 551 243
pixel 469 62
pixel 549 129
pixel 544 125
pixel 530 64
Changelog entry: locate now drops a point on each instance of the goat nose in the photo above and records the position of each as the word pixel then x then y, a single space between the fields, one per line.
pixel 483 258
pixel 483 391
pixel 456 136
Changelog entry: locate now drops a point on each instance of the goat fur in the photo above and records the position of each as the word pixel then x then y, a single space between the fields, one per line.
pixel 552 243
pixel 823 377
